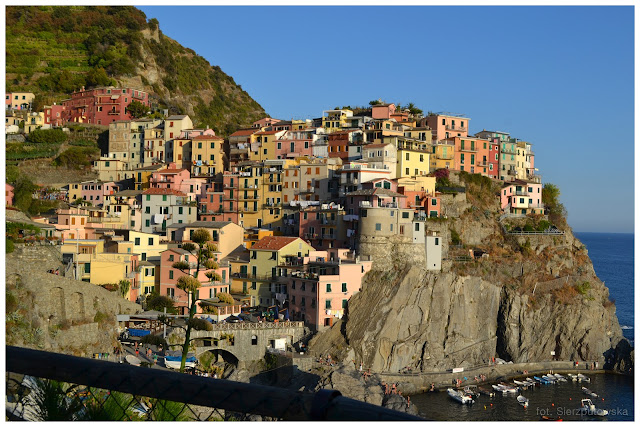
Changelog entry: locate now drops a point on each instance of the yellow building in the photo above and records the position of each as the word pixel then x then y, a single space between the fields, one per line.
pixel 142 176
pixel 413 156
pixel 74 192
pixel 419 183
pixel 33 121
pixel 442 156
pixel 207 156
pixel 265 146
pixel 335 120
pixel 523 160
pixel 420 133
pixel 266 287
pixel 92 264
pixel 180 153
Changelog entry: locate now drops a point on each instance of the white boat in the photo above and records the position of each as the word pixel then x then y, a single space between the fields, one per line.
pixel 499 388
pixel 132 360
pixel 589 408
pixel 584 378
pixel 523 401
pixel 573 377
pixel 550 378
pixel 471 391
pixel 588 392
pixel 509 388
pixel 560 378
pixel 459 396
pixel 521 383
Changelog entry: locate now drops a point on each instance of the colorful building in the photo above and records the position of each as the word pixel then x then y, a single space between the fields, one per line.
pixel 162 207
pixel 321 284
pixel 102 105
pixel 447 125
pixel 207 156
pixel 522 197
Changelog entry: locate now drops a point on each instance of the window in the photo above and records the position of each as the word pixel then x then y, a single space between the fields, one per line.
pixel 434 201
pixel 164 198
pixel 405 215
pixel 462 158
pixel 406 156
pixel 148 197
pixel 170 274
pixel 417 226
pixel 150 241
pixel 378 226
pixel 344 303
pixel 344 287
pixel 327 304
pixel 328 287
pixel 521 199
pixel 137 241
pixel 180 210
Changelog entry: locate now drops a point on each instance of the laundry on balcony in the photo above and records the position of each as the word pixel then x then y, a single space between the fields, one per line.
pixel 158 218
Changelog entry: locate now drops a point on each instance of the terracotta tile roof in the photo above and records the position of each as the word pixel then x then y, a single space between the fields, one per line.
pixel 164 191
pixel 170 171
pixel 273 243
pixel 206 137
pixel 245 132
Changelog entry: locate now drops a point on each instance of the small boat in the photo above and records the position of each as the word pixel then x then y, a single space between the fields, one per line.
pixel 560 378
pixel 521 383
pixel 132 360
pixel 471 391
pixel 509 388
pixel 459 396
pixel 499 387
pixel 573 377
pixel 584 378
pixel 588 408
pixel 486 391
pixel 174 362
pixel 549 378
pixel 541 380
pixel 588 392
pixel 523 401
pixel 532 381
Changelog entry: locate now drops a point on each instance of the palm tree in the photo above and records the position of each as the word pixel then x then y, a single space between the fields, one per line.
pixel 203 250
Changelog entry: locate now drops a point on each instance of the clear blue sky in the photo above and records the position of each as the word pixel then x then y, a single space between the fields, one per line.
pixel 561 78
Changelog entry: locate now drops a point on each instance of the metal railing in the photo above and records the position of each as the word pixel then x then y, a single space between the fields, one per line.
pixel 123 389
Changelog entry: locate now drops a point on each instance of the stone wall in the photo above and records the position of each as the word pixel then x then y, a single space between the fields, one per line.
pixel 63 310
pixel 250 341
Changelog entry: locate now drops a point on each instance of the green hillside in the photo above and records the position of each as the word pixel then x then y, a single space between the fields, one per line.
pixel 53 50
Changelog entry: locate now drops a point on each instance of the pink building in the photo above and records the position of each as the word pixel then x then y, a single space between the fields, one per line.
pixel 95 192
pixel 376 193
pixel 169 278
pixel 522 197
pixel 494 159
pixel 267 121
pixel 323 226
pixel 423 202
pixel 447 125
pixel 295 143
pixel 54 115
pixel 383 111
pixel 320 285
pixel 72 223
pixel 8 195
pixel 102 105
pixel 169 178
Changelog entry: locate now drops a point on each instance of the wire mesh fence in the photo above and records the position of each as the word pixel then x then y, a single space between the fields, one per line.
pixel 43 386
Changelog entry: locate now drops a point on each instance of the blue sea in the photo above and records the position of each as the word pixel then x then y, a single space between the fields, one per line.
pixel 612 257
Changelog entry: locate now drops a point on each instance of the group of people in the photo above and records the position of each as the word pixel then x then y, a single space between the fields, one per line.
pixel 391 388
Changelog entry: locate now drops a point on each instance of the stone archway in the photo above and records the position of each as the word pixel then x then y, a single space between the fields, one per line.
pixel 222 355
pixel 57 303
pixel 76 306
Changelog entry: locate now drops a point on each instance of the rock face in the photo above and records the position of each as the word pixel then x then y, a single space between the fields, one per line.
pixel 423 320
pixel 515 308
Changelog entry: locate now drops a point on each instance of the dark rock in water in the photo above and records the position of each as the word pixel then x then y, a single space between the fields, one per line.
pixel 398 403
pixel 621 358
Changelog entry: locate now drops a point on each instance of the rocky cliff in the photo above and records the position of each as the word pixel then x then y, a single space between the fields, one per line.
pixel 55 313
pixel 532 298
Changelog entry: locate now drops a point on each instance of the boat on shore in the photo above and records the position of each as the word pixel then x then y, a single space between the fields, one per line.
pixel 560 378
pixel 173 362
pixel 588 408
pixel 523 401
pixel 573 377
pixel 459 396
pixel 471 391
pixel 132 360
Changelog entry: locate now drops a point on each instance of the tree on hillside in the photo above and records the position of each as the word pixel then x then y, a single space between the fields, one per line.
pixel 98 77
pixel 203 250
pixel 375 102
pixel 137 109
pixel 123 287
pixel 551 200
pixel 47 136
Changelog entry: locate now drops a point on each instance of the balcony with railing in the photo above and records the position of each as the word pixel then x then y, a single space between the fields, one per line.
pixel 456 128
